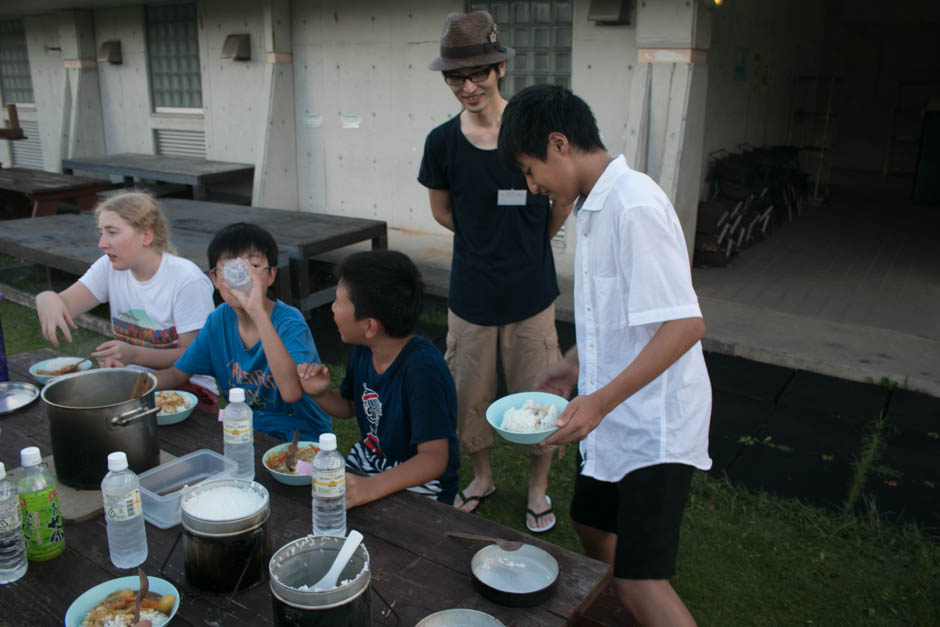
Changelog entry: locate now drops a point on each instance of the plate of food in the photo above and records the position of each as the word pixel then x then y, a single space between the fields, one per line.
pixel 48 369
pixel 175 406
pixel 112 603
pixel 275 460
pixel 526 417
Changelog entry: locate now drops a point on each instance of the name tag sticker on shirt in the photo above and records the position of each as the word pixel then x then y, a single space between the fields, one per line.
pixel 510 197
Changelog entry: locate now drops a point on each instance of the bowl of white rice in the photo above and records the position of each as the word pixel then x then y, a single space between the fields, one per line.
pixel 526 417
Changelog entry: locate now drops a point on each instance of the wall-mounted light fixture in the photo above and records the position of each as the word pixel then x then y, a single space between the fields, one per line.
pixel 110 51
pixel 609 12
pixel 713 4
pixel 237 47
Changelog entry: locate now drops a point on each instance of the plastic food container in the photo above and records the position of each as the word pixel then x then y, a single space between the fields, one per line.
pixel 161 487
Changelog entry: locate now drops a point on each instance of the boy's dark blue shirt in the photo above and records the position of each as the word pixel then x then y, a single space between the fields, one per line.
pixel 503 270
pixel 413 401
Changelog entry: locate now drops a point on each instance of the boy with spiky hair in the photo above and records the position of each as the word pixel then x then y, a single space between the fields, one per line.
pixel 396 385
pixel 644 402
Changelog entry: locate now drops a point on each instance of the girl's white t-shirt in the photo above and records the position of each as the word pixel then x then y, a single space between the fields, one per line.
pixel 177 299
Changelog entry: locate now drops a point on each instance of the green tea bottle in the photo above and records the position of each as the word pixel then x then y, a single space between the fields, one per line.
pixel 39 508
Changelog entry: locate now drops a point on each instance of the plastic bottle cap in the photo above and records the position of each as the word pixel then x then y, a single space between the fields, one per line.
pixel 3 471
pixel 30 456
pixel 117 461
pixel 327 442
pixel 236 395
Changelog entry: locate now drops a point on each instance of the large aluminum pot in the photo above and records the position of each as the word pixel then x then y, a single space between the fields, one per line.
pixel 91 414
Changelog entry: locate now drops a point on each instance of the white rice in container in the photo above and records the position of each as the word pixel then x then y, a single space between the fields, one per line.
pixel 223 503
pixel 531 417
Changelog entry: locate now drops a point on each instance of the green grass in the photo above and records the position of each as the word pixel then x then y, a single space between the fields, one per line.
pixel 744 558
pixel 21 333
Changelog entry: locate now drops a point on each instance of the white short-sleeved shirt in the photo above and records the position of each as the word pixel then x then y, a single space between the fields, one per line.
pixel 631 275
pixel 177 299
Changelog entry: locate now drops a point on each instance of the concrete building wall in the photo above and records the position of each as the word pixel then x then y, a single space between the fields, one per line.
pixel 125 89
pixel 757 48
pixel 365 101
pixel 888 72
pixel 363 98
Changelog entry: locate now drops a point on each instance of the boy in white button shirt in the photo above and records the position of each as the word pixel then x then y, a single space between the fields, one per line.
pixel 644 400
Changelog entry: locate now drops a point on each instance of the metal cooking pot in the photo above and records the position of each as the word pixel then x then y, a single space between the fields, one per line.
pixel 521 578
pixel 91 414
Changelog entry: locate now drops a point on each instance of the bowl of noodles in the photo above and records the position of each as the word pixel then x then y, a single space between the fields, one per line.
pixel 275 460
pixel 175 406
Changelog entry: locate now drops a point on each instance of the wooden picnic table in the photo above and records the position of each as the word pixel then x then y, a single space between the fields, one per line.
pixel 69 242
pixel 303 234
pixel 191 171
pixel 414 564
pixel 45 190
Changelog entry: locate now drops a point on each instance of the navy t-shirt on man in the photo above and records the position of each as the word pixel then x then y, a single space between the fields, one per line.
pixel 413 401
pixel 503 270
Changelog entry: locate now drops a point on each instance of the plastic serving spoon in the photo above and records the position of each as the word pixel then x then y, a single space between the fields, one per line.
pixel 329 580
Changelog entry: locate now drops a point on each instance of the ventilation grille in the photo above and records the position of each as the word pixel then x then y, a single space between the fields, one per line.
pixel 181 143
pixel 27 152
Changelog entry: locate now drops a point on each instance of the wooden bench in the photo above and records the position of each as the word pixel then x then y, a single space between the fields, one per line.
pixel 45 190
pixel 193 172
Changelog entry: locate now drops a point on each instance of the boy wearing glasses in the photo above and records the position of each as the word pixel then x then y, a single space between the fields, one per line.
pixel 502 282
pixel 253 342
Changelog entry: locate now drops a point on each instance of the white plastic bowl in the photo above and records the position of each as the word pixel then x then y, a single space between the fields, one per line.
pixel 496 411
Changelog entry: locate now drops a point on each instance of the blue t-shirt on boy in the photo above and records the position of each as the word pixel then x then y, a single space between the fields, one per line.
pixel 413 401
pixel 218 351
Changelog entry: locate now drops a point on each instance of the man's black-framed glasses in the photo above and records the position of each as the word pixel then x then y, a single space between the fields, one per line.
pixel 456 79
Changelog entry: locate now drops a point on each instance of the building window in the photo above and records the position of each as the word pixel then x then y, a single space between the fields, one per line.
pixel 15 82
pixel 173 51
pixel 541 34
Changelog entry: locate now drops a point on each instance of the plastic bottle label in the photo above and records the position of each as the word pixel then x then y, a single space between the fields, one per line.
pixel 42 524
pixel 330 483
pixel 11 522
pixel 122 506
pixel 237 431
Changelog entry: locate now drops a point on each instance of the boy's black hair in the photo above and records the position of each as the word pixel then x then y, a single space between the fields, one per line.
pixel 239 238
pixel 385 285
pixel 535 112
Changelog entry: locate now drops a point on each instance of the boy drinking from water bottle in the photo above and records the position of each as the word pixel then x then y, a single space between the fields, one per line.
pixel 396 385
pixel 253 342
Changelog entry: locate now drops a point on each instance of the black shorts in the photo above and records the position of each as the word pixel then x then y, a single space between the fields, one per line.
pixel 644 510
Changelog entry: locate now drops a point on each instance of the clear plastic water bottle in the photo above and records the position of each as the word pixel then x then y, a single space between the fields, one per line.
pixel 13 562
pixel 237 434
pixel 124 514
pixel 329 489
pixel 39 508
pixel 237 274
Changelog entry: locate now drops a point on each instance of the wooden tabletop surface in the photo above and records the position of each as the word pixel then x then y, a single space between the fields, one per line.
pixel 185 170
pixel 31 182
pixel 415 565
pixel 308 232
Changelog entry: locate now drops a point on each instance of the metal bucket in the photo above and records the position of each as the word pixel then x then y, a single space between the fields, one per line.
pixel 226 554
pixel 91 414
pixel 302 563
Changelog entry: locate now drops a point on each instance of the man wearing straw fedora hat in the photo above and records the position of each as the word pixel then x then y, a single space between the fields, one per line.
pixel 502 282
